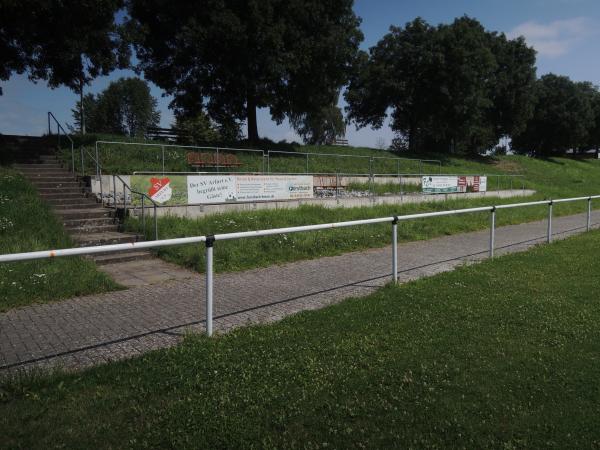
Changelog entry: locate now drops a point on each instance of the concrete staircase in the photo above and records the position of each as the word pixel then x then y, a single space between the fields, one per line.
pixel 87 222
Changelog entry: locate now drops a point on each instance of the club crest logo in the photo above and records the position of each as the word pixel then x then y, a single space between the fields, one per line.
pixel 160 189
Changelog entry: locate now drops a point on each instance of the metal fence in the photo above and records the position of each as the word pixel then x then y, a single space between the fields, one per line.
pixel 265 161
pixel 212 239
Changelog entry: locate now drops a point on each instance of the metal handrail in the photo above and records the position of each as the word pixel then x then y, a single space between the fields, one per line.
pixel 210 240
pixel 59 127
pixel 125 188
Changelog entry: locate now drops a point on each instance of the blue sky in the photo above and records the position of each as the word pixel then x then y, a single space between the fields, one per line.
pixel 564 32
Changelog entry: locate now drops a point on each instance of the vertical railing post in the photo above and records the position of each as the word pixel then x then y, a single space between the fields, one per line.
pixel 492 231
pixel 49 130
pixel 155 223
pixel 73 157
pixel 269 161
pixel 163 158
pixel 549 238
pixel 143 216
pixel 82 162
pixel 114 192
pixel 210 240
pixel 124 202
pixel 98 175
pixel 217 160
pixel 420 168
pixel 395 250
pixel 306 162
pixel 589 215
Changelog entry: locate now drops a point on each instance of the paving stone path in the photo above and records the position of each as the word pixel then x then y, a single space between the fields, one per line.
pixel 90 330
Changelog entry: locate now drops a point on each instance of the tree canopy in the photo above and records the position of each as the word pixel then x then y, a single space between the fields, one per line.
pixel 451 88
pixel 230 57
pixel 124 107
pixel 66 43
pixel 562 119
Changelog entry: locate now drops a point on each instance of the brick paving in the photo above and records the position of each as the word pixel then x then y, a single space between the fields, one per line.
pixel 95 329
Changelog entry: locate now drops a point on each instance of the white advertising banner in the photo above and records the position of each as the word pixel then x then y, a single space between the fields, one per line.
pixel 439 185
pixel 244 188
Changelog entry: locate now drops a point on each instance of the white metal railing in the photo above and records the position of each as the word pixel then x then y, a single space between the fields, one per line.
pixel 211 239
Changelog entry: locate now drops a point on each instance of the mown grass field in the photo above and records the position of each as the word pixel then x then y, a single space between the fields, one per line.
pixel 504 354
pixel 28 224
pixel 554 178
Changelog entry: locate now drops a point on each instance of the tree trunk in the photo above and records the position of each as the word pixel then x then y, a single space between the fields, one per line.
pixel 252 125
pixel 81 109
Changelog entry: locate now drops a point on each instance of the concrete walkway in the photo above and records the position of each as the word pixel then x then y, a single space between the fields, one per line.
pixel 90 330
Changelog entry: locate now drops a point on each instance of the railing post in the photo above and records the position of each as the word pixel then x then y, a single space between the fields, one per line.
pixel 420 168
pixel 492 231
pixel 49 130
pixel 218 160
pixel 163 158
pixel 210 240
pixel 143 217
pixel 589 215
pixel 395 250
pixel 549 238
pixel 98 175
pixel 114 192
pixel 155 223
pixel 269 161
pixel 73 157
pixel 306 162
pixel 82 166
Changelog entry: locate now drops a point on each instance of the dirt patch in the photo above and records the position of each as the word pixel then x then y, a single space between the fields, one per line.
pixel 508 166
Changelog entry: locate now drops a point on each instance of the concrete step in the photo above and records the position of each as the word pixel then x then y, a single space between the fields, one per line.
pixel 33 174
pixel 61 190
pixel 99 221
pixel 59 195
pixel 105 238
pixel 57 184
pixel 89 230
pixel 66 178
pixel 103 259
pixel 37 165
pixel 89 213
pixel 72 203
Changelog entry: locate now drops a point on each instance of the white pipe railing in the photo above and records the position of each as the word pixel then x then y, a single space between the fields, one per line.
pixel 210 240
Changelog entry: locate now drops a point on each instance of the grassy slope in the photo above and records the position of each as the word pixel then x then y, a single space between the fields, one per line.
pixel 27 224
pixel 550 178
pixel 499 355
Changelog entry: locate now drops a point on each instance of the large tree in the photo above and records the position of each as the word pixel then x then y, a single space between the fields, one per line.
pixel 67 42
pixel 231 57
pixel 320 127
pixel 125 107
pixel 562 118
pixel 451 88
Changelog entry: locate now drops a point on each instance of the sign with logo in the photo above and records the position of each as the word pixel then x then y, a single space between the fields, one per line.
pixel 246 188
pixel 440 184
pixel 164 190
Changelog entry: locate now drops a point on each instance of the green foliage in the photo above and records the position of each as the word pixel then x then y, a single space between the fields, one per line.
pixel 290 56
pixel 125 107
pixel 196 130
pixel 452 88
pixel 502 355
pixel 320 127
pixel 27 224
pixel 562 118
pixel 66 43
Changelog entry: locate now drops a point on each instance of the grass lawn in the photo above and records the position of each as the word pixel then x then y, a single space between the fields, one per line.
pixel 28 224
pixel 504 354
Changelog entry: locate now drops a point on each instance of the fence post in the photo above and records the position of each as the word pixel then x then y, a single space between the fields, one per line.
pixel 73 157
pixel 163 158
pixel 210 240
pixel 143 216
pixel 82 166
pixel 492 231
pixel 307 163
pixel 114 193
pixel 549 238
pixel 420 167
pixel 155 223
pixel 395 250
pixel 49 130
pixel 589 215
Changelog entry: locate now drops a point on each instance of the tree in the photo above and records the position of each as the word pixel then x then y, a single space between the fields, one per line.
pixel 562 118
pixel 451 88
pixel 65 43
pixel 124 107
pixel 320 127
pixel 230 57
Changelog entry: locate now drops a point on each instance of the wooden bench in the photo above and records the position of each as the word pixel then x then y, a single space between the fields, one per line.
pixel 197 160
pixel 343 142
pixel 167 134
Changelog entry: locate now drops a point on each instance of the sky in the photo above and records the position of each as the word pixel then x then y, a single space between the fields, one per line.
pixel 565 34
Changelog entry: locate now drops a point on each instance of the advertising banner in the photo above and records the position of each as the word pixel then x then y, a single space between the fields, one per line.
pixel 472 183
pixel 439 184
pixel 245 188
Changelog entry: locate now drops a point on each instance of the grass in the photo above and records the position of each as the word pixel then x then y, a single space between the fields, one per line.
pixel 503 354
pixel 27 224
